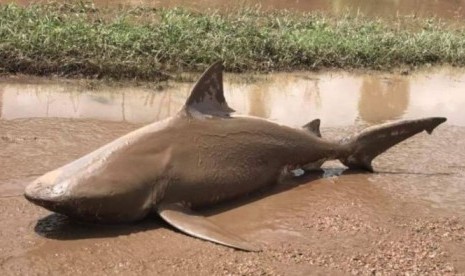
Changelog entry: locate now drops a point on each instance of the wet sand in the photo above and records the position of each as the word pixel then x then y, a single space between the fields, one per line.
pixel 406 218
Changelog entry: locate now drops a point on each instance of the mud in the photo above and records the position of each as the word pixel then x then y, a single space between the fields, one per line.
pixel 445 9
pixel 407 218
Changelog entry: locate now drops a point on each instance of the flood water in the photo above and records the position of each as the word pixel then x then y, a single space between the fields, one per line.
pixel 446 9
pixel 343 101
pixel 407 210
pixel 338 98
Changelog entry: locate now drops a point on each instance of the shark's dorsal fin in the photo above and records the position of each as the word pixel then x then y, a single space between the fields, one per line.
pixel 207 95
pixel 314 127
pixel 186 221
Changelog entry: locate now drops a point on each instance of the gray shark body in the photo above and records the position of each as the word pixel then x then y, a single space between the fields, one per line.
pixel 200 157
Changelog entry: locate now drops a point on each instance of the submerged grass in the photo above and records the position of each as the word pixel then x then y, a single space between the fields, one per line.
pixel 78 39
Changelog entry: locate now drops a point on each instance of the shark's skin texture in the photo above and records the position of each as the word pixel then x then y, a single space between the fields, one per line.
pixel 200 157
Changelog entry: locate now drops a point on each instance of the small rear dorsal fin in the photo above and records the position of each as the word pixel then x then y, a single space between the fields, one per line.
pixel 207 96
pixel 314 127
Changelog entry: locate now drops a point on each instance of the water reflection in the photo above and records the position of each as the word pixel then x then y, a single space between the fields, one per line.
pixel 383 99
pixel 258 102
pixel 446 9
pixel 339 99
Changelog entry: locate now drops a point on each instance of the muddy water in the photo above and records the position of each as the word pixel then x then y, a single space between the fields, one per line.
pixel 446 9
pixel 342 101
pixel 339 99
pixel 329 222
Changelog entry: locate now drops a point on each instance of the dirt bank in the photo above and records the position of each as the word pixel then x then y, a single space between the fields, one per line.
pixel 80 40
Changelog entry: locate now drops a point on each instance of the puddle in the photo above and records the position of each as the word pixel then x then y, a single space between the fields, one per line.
pixel 339 99
pixel 446 9
pixel 46 123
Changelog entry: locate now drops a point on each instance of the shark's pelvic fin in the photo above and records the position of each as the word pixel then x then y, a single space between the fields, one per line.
pixel 186 221
pixel 314 127
pixel 207 95
pixel 371 142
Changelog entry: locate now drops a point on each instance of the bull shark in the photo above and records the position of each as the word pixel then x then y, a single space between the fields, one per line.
pixel 200 157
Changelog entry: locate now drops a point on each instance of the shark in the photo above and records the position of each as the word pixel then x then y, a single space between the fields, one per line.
pixel 202 156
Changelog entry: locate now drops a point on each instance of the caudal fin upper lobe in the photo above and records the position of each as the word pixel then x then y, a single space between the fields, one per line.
pixel 371 142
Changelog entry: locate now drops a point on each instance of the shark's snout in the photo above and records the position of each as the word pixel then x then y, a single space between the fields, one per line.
pixel 46 193
pixel 75 198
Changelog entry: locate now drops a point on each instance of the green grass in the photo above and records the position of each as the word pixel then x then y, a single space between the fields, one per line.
pixel 80 40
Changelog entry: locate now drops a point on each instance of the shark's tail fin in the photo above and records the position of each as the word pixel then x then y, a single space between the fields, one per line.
pixel 371 142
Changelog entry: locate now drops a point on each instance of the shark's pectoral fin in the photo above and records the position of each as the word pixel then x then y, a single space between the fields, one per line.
pixel 185 220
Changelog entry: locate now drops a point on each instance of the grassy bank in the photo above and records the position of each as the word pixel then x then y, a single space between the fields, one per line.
pixel 79 40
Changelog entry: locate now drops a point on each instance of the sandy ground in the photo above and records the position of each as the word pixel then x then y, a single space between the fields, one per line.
pixel 406 219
